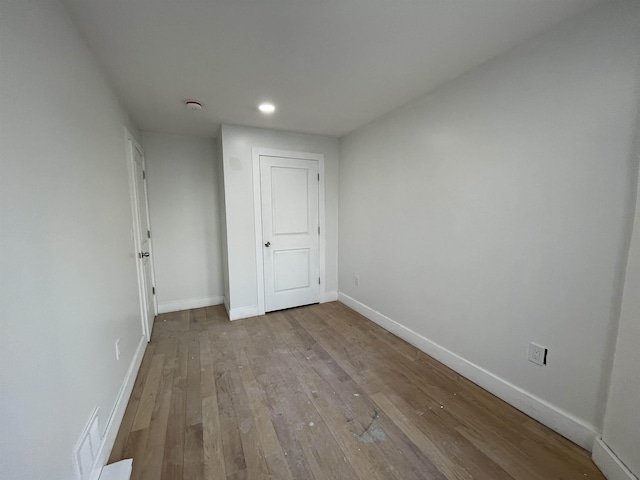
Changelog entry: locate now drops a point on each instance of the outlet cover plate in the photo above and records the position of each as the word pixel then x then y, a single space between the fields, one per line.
pixel 537 354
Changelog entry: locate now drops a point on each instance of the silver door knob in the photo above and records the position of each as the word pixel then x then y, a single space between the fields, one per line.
pixel 268 244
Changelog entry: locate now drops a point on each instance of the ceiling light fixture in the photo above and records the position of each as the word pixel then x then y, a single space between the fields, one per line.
pixel 193 105
pixel 267 107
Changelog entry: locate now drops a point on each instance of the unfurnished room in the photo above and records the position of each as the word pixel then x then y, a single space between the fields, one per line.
pixel 319 239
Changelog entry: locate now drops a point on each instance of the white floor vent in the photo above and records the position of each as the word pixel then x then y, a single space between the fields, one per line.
pixel 86 451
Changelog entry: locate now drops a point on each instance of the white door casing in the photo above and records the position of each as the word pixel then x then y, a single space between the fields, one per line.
pixel 290 232
pixel 289 214
pixel 142 236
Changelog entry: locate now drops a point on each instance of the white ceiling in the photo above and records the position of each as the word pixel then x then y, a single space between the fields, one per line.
pixel 330 66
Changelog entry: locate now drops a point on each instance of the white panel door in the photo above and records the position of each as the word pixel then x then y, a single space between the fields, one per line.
pixel 143 241
pixel 290 232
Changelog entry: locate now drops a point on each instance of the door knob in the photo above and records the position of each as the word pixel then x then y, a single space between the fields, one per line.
pixel 268 244
pixel 143 254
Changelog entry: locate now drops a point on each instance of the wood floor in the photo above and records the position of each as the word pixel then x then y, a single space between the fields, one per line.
pixel 320 392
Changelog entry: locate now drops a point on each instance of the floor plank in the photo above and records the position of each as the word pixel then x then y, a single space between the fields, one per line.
pixel 320 392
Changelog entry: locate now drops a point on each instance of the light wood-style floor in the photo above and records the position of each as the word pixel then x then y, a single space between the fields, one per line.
pixel 320 392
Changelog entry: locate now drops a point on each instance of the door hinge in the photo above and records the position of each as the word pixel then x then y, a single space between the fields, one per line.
pixel 318 177
pixel 318 230
pixel 153 290
pixel 148 233
pixel 318 280
pixel 144 175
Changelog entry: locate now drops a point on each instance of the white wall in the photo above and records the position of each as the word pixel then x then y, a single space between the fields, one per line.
pixel 237 144
pixel 495 212
pixel 182 181
pixel 68 285
pixel 622 419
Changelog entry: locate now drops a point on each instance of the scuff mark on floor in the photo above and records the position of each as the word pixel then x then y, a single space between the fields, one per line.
pixel 370 433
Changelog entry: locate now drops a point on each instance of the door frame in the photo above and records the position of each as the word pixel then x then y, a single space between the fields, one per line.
pixel 132 143
pixel 256 153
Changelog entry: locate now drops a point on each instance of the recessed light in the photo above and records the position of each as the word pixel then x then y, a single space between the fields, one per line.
pixel 267 107
pixel 193 105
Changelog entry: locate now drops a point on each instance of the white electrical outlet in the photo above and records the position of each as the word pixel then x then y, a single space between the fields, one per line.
pixel 118 349
pixel 537 354
pixel 356 279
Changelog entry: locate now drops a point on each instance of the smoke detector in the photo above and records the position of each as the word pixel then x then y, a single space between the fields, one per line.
pixel 193 105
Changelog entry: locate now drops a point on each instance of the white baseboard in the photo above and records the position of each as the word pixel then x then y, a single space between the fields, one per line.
pixel 177 305
pixel 113 424
pixel 242 312
pixel 609 463
pixel 252 311
pixel 566 424
pixel 328 296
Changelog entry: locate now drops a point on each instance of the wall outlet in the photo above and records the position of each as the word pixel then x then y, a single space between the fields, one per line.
pixel 538 354
pixel 118 349
pixel 356 279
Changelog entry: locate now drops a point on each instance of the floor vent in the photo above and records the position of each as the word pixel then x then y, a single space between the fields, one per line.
pixel 86 451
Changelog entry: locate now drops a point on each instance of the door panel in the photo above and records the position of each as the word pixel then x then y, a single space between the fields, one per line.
pixel 289 189
pixel 143 242
pixel 291 269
